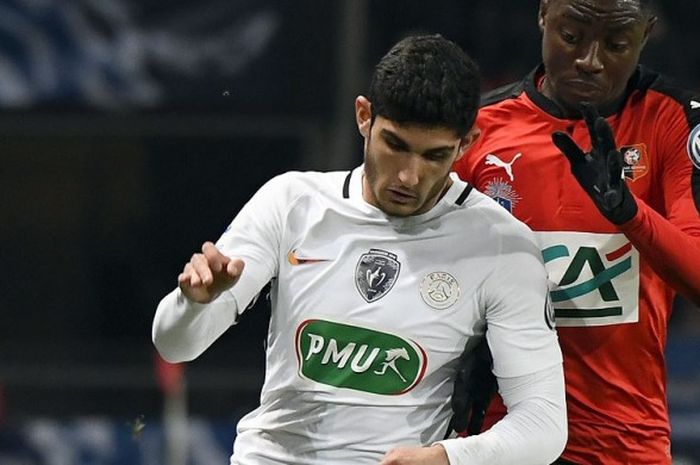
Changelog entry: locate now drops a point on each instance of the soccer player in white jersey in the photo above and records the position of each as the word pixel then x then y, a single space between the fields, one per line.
pixel 381 277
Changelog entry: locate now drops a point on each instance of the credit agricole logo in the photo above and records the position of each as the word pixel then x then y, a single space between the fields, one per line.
pixel 363 359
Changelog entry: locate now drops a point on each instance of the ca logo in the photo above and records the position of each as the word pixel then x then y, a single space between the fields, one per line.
pixel 571 285
pixel 594 277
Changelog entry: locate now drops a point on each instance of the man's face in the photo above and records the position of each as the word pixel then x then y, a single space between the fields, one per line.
pixel 406 166
pixel 590 49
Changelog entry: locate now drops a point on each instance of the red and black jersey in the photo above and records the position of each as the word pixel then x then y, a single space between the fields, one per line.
pixel 612 286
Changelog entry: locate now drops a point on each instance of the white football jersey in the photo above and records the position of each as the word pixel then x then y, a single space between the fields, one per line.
pixel 370 314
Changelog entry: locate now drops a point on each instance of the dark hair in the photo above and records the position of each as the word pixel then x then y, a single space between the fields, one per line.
pixel 426 80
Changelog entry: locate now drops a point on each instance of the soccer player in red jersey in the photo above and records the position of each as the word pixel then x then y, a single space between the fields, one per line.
pixel 601 158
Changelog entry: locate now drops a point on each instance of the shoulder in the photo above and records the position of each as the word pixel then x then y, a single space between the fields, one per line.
pixel 502 94
pixel 670 98
pixel 295 184
pixel 293 189
pixel 489 232
pixel 503 104
pixel 497 220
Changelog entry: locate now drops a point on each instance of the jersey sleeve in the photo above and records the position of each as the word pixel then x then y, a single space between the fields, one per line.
pixel 533 432
pixel 255 236
pixel 183 330
pixel 670 241
pixel 519 314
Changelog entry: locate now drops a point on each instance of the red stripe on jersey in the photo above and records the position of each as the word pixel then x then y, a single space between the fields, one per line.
pixel 615 254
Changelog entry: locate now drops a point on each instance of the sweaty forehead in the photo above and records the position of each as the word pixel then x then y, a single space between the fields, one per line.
pixel 621 12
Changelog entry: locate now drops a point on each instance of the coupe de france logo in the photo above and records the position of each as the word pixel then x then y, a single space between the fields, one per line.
pixel 694 146
pixel 376 273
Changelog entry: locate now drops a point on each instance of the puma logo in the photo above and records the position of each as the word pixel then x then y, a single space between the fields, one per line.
pixel 492 159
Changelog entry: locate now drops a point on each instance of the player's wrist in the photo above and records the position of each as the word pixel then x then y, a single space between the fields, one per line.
pixel 625 211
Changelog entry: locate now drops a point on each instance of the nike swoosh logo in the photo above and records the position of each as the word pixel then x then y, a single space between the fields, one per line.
pixel 694 105
pixel 294 260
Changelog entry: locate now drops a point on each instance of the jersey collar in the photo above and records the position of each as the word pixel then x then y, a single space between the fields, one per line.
pixel 455 196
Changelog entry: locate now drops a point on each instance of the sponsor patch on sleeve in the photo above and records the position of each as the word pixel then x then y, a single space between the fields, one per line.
pixel 694 146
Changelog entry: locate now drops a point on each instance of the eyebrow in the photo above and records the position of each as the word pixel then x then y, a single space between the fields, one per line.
pixel 388 134
pixel 578 17
pixel 624 22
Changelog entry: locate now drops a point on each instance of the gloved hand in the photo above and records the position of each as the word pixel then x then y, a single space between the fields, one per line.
pixel 474 387
pixel 599 172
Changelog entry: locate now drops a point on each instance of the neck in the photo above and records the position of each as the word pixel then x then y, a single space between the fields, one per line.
pixel 546 89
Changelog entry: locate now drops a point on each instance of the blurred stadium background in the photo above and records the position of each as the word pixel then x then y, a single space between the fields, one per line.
pixel 131 131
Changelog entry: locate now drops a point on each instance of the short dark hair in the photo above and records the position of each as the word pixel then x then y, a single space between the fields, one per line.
pixel 428 80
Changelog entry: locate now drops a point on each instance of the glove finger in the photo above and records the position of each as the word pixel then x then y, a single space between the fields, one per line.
pixel 461 401
pixel 461 395
pixel 458 424
pixel 614 162
pixel 569 148
pixel 590 115
pixel 605 140
pixel 476 421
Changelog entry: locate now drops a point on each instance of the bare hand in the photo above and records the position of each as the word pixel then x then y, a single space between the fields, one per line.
pixel 208 274
pixel 433 455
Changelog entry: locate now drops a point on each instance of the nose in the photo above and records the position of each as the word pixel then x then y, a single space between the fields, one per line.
pixel 409 173
pixel 590 62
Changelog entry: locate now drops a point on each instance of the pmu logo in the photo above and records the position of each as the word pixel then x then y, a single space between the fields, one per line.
pixel 358 358
pixel 600 271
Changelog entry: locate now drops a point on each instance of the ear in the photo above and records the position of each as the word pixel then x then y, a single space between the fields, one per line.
pixel 651 22
pixel 468 141
pixel 544 5
pixel 363 115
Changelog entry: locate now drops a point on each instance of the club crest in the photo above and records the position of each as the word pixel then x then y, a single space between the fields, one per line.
pixel 636 161
pixel 376 273
pixel 440 290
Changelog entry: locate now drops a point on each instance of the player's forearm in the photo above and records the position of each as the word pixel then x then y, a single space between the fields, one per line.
pixel 533 433
pixel 672 253
pixel 182 329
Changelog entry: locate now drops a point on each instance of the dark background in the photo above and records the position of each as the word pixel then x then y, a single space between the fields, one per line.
pixel 132 131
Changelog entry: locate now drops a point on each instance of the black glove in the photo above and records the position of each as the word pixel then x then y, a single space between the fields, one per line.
pixel 599 172
pixel 474 387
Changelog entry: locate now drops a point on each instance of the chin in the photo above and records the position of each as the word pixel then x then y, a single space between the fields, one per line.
pixel 596 99
pixel 400 211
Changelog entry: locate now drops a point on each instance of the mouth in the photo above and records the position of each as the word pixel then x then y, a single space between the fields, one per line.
pixel 584 88
pixel 401 196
